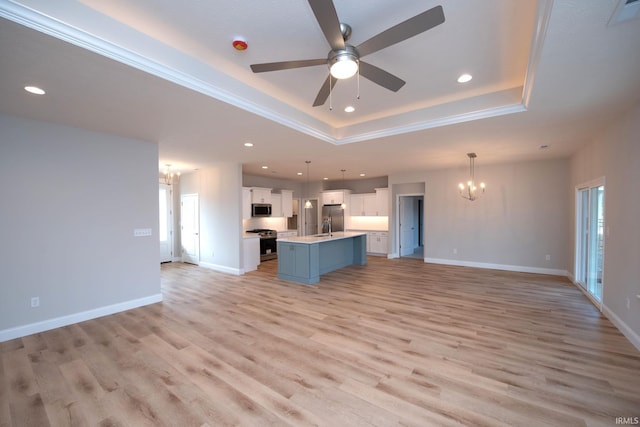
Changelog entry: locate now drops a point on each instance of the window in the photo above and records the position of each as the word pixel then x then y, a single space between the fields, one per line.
pixel 590 233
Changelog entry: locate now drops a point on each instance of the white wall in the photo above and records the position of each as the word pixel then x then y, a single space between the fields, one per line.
pixel 220 198
pixel 521 218
pixel 615 155
pixel 69 203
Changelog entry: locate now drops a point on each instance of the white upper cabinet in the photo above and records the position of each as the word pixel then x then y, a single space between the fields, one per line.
pixel 370 204
pixel 363 204
pixel 287 203
pixel 336 197
pixel 260 195
pixel 356 207
pixel 382 201
pixel 276 204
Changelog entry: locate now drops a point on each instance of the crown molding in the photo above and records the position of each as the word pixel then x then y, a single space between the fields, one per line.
pixel 277 111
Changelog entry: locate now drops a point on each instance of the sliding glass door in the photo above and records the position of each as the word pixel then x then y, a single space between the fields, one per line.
pixel 590 229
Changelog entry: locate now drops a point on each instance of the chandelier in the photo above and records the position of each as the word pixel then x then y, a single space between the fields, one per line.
pixel 470 191
pixel 169 175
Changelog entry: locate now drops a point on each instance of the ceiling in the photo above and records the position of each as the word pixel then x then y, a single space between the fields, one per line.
pixel 545 73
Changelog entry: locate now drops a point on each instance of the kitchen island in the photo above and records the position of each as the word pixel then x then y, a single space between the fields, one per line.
pixel 303 259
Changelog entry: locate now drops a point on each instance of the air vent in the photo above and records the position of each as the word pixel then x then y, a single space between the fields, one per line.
pixel 625 11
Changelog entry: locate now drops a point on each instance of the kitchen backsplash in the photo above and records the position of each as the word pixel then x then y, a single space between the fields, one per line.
pixel 277 223
pixel 375 223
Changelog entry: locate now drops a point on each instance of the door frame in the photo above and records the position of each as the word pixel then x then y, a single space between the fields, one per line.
pixel 182 197
pixel 304 216
pixel 169 213
pixel 579 235
pixel 421 229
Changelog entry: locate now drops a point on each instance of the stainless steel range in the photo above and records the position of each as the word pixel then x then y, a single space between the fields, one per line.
pixel 268 243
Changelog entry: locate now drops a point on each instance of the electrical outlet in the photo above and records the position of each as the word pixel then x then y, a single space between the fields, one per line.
pixel 548 257
pixel 35 302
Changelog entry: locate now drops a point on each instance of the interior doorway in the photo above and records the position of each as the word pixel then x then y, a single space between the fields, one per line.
pixel 410 226
pixel 190 228
pixel 310 217
pixel 165 230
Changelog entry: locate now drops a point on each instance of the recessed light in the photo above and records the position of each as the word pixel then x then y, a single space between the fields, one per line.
pixel 349 109
pixel 363 174
pixel 248 144
pixel 265 167
pixel 325 179
pixel 299 174
pixel 465 78
pixel 34 90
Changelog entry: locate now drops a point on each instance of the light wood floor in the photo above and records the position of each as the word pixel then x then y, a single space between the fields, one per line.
pixel 393 343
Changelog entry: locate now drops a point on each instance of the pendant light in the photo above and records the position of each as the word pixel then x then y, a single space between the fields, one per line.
pixel 307 204
pixel 343 205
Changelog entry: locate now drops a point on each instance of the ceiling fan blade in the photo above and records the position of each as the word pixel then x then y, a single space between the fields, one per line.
pixel 327 17
pixel 404 30
pixel 324 92
pixel 286 65
pixel 381 77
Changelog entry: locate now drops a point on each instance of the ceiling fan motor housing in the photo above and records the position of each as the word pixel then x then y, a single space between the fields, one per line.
pixel 345 29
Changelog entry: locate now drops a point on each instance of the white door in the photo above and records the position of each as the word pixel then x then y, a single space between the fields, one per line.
pixel 166 223
pixel 190 228
pixel 407 229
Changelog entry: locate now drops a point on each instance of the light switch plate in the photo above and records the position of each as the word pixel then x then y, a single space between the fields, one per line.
pixel 141 232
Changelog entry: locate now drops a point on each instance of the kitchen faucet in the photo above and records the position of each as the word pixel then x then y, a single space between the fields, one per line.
pixel 326 224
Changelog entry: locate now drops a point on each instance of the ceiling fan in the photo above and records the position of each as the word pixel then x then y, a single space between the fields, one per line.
pixel 344 59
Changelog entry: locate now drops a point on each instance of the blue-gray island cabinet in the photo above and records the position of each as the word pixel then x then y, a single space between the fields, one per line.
pixel 303 259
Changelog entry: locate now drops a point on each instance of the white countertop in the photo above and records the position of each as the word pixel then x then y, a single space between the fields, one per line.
pixel 250 236
pixel 321 237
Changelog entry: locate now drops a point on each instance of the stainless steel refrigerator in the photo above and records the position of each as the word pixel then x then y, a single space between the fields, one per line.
pixel 337 218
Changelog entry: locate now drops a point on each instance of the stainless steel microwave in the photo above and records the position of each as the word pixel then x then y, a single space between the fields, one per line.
pixel 260 209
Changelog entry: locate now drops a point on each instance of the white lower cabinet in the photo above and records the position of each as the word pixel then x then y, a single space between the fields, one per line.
pixel 377 242
pixel 251 248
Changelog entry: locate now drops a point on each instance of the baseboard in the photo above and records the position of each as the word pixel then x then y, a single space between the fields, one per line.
pixel 631 335
pixel 221 268
pixel 58 322
pixel 507 267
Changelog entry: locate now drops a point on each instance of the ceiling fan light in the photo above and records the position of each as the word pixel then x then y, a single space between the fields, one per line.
pixel 344 67
pixel 343 63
